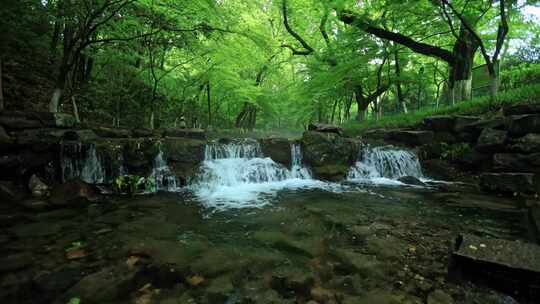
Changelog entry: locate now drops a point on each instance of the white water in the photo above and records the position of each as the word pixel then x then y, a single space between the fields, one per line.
pixel 238 175
pixel 77 163
pixel 385 165
pixel 164 178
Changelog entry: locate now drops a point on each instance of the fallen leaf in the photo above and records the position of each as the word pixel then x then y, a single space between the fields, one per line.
pixel 195 280
pixel 75 254
pixel 131 261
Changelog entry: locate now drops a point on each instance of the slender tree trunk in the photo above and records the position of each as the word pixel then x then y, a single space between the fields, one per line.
pixel 208 100
pixel 75 109
pixel 361 103
pixel 399 92
pixel 333 111
pixel 2 105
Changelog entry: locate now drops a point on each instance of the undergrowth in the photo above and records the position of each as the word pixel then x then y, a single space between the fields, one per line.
pixel 476 106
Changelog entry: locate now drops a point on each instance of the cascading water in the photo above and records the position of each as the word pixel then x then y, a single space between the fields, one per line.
pixel 238 175
pixel 79 161
pixel 164 178
pixel 385 165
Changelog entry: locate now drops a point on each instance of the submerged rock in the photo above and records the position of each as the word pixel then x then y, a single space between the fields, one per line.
pixel 73 193
pixel 510 182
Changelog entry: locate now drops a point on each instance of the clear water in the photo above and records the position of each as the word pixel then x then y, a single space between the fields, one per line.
pixel 82 162
pixel 163 176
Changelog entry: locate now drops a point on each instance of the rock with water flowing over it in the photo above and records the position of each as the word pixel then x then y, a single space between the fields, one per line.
pixel 385 162
pixel 509 266
pixel 510 182
pixel 411 180
pixel 328 154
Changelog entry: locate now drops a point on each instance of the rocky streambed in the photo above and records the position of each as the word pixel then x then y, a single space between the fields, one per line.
pixel 376 245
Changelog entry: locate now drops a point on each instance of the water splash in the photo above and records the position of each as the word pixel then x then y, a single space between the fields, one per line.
pixel 238 175
pixel 385 165
pixel 164 178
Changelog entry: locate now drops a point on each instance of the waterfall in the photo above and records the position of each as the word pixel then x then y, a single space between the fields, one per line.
pixel 387 163
pixel 164 178
pixel 238 175
pixel 297 168
pixel 82 161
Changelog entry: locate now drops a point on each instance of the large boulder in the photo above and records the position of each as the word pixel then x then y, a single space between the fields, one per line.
pixel 474 161
pixel 328 154
pixel 475 128
pixel 412 138
pixel 184 156
pixel 37 187
pixel 325 128
pixel 491 140
pixel 73 194
pixel 461 122
pixel 519 125
pixel 510 182
pixel 139 156
pixel 512 162
pixel 185 133
pixel 278 149
pixel 527 144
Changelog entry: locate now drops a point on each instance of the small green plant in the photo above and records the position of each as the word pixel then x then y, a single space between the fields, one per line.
pixel 454 151
pixel 76 245
pixel 74 301
pixel 133 184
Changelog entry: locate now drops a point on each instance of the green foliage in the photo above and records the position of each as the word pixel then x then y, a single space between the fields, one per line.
pixel 74 301
pixel 476 106
pixel 454 151
pixel 519 75
pixel 133 184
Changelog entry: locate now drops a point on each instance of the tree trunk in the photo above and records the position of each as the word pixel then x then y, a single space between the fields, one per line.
pixel 1 86
pixel 399 92
pixel 208 100
pixel 461 70
pixel 75 110
pixel 361 103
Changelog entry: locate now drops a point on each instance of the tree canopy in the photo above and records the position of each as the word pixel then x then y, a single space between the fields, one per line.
pixel 265 63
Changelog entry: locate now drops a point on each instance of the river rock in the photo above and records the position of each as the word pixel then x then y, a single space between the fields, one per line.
pixel 9 192
pixel 110 285
pixel 529 143
pixel 328 154
pixel 519 125
pixel 521 109
pixel 4 137
pixel 186 133
pixel 112 132
pixel 491 140
pixel 73 193
pixel 441 123
pixel 37 187
pixel 510 182
pixel 461 122
pixel 439 297
pixel 513 162
pixel 184 156
pixel 438 169
pixel 325 128
pixel 139 156
pixel 413 138
pixel 411 180
pixel 278 149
